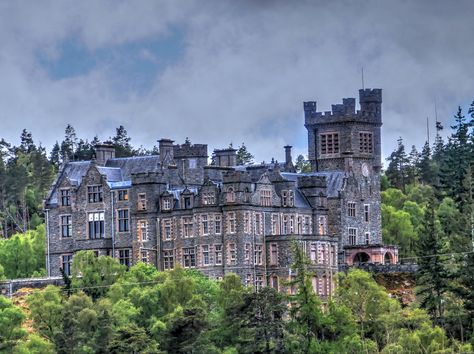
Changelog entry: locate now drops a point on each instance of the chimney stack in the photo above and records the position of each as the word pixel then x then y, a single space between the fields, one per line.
pixel 225 157
pixel 166 151
pixel 289 167
pixel 104 152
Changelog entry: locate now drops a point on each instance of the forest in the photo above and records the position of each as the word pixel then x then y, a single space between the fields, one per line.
pixel 427 210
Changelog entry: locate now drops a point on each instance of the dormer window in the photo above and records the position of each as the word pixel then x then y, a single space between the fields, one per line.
pixel 187 202
pixel 65 197
pixel 209 198
pixel 288 198
pixel 230 195
pixel 265 197
pixel 94 194
pixel 166 203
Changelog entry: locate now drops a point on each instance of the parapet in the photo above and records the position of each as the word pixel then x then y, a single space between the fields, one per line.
pixel 237 177
pixel 187 150
pixel 370 95
pixel 312 182
pixel 148 177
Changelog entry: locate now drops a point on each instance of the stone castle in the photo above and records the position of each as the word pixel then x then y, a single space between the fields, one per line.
pixel 177 209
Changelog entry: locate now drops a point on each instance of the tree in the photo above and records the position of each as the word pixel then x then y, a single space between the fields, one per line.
pixel 68 145
pixel 132 339
pixel 243 156
pixel 397 167
pixel 11 319
pixel 302 165
pixel 121 142
pixel 305 310
pixel 431 275
pixel 96 273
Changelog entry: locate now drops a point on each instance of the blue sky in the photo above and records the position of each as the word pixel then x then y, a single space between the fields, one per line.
pixel 221 71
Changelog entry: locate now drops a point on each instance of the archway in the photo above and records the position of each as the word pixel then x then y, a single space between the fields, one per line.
pixel 388 258
pixel 361 257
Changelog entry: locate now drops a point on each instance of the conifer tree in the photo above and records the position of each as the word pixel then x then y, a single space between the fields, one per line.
pixel 431 276
pixel 397 168
pixel 244 157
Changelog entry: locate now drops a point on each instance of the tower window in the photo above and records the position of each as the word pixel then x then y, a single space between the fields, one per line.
pixel 329 143
pixel 352 236
pixel 365 143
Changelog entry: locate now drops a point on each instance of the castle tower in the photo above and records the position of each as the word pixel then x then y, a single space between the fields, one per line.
pixel 344 139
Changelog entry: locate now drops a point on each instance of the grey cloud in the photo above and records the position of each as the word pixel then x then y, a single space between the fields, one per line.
pixel 246 68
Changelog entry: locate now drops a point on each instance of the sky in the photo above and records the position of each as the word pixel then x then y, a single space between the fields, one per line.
pixel 226 71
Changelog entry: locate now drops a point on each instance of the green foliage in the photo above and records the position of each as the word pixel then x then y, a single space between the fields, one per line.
pixel 302 165
pixel 244 157
pixel 94 274
pixel 23 255
pixel 11 319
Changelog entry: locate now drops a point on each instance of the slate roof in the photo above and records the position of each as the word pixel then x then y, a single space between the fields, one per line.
pixel 136 164
pixel 335 180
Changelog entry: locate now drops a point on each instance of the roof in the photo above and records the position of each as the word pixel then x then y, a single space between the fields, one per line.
pixel 136 164
pixel 335 180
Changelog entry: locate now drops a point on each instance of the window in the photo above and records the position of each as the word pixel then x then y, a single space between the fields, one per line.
pixel 285 224
pixel 367 238
pixel 248 280
pixel 366 212
pixel 258 223
pixel 274 224
pixel 124 257
pixel 352 236
pixel 204 225
pixel 208 198
pixel 265 197
pixel 187 226
pixel 166 203
pixel 247 251
pixel 313 252
pixel 329 143
pixel 332 259
pixel 141 205
pixel 299 225
pixel 218 254
pixel 122 194
pixel 232 223
pixel 192 163
pixel 142 230
pixel 232 254
pixel 123 220
pixel 365 142
pixel 230 197
pixel 258 255
pixel 351 209
pixel 292 224
pixel 247 222
pixel 273 254
pixel 187 202
pixel 66 226
pixel 189 257
pixel 65 197
pixel 66 262
pixel 307 225
pixel 94 194
pixel 205 255
pixel 144 257
pixel 274 282
pixel 322 225
pixel 168 259
pixel 259 282
pixel 322 256
pixel 218 224
pixel 96 225
pixel 167 229
pixel 288 198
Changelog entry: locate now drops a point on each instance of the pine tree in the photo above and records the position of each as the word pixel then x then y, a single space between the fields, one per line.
pixel 432 275
pixel 243 156
pixel 302 165
pixel 68 145
pixel 55 155
pixel 121 142
pixel 426 166
pixel 397 167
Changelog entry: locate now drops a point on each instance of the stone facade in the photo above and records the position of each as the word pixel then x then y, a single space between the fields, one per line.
pixel 175 208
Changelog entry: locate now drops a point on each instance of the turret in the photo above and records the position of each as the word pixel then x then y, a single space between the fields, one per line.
pixel 371 103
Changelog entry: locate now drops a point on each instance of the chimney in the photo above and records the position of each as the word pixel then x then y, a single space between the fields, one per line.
pixel 289 167
pixel 104 152
pixel 225 157
pixel 166 151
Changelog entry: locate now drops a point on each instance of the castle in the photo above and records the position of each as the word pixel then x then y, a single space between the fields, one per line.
pixel 176 208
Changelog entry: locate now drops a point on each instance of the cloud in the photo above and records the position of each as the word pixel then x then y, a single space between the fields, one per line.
pixel 245 68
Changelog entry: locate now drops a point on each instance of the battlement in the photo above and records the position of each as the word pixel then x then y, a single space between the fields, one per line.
pixel 369 99
pixel 370 95
pixel 187 150
pixel 148 177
